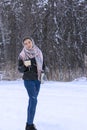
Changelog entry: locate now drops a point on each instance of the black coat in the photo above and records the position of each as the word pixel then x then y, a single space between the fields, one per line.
pixel 29 73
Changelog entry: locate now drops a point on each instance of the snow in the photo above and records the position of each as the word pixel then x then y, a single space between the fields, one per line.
pixel 42 3
pixel 61 105
pixel 81 0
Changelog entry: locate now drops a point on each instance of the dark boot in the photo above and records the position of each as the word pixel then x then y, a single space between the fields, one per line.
pixel 30 127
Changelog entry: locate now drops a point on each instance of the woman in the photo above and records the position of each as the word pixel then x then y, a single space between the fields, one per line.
pixel 31 65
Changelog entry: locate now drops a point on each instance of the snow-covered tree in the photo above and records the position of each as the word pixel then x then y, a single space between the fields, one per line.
pixel 59 28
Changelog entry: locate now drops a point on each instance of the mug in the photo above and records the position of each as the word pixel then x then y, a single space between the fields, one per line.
pixel 27 62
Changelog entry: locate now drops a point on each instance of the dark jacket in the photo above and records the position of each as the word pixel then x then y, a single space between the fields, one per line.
pixel 29 73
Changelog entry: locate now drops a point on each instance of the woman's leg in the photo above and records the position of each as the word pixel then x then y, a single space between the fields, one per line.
pixel 37 84
pixel 32 88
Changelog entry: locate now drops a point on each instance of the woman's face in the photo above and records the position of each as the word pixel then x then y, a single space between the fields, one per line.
pixel 28 44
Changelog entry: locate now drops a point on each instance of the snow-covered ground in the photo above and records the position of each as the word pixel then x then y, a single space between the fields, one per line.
pixel 61 105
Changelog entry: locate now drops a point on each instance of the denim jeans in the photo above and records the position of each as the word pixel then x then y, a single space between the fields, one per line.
pixel 32 87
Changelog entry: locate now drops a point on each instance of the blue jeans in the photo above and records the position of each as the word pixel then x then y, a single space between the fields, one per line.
pixel 32 87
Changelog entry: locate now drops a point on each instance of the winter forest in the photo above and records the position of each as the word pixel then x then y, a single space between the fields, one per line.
pixel 59 28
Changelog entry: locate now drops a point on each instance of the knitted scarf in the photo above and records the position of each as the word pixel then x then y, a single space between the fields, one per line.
pixel 36 53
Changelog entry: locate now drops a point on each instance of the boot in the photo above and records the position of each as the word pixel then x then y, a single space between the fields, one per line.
pixel 30 127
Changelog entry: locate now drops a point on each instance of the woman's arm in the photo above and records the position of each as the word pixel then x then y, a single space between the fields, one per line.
pixel 43 67
pixel 21 67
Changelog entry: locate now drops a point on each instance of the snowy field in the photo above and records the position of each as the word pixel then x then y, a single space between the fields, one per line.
pixel 61 105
